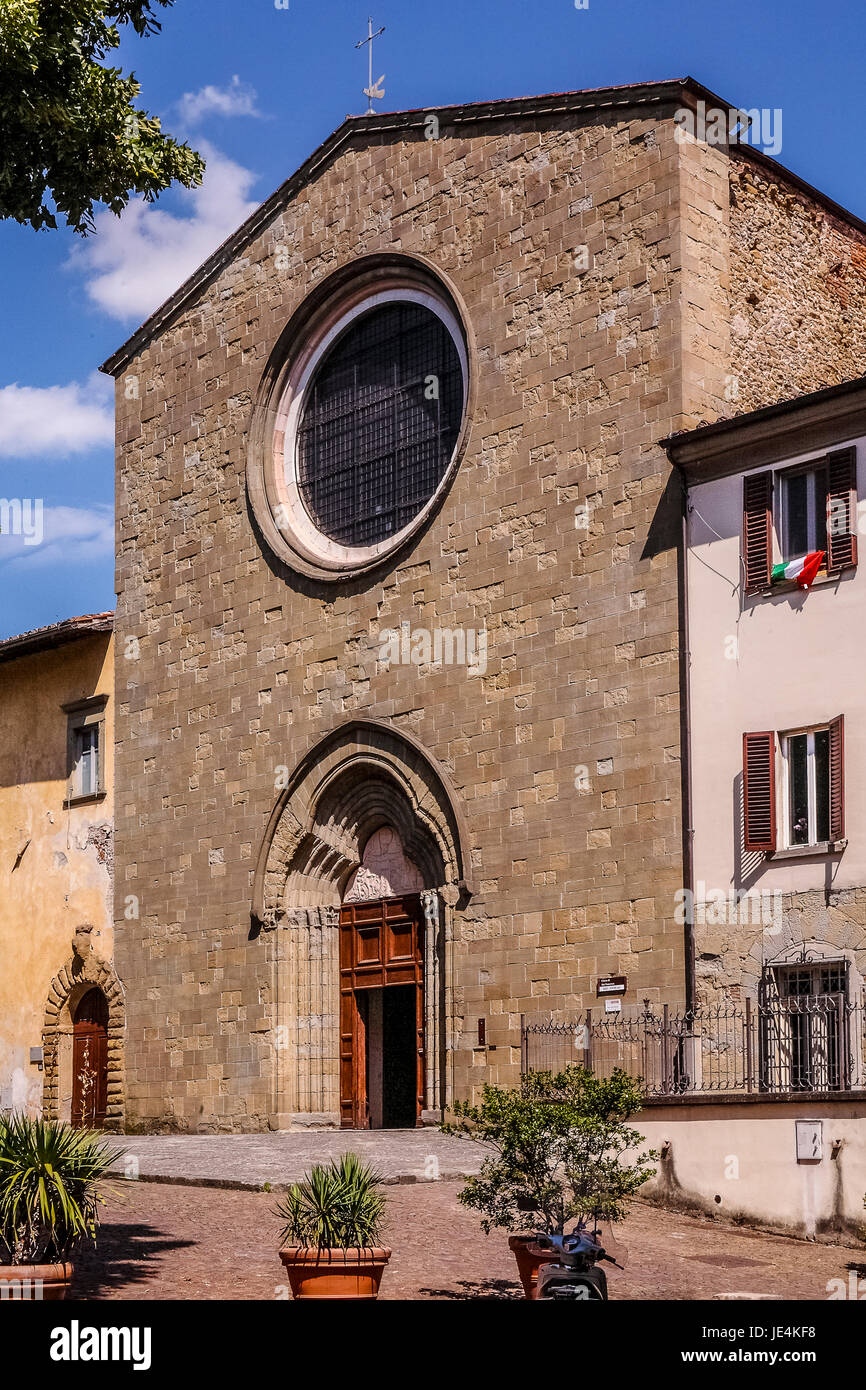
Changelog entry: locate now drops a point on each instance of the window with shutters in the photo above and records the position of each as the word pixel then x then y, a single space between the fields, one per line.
pixel 809 810
pixel 806 773
pixel 803 512
pixel 791 513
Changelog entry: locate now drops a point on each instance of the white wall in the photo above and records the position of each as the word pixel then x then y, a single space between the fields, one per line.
pixel 746 1156
pixel 800 658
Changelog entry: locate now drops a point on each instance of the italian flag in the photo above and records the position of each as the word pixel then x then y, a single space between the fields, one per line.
pixel 802 571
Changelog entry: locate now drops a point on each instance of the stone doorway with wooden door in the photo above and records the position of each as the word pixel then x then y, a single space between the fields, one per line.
pixel 90 1061
pixel 360 879
pixel 382 1071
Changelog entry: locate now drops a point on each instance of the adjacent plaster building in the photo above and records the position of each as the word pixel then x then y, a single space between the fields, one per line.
pixel 399 724
pixel 61 1004
pixel 766 1091
pixel 777 709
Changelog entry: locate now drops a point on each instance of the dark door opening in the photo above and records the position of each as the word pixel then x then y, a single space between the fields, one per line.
pixel 391 1060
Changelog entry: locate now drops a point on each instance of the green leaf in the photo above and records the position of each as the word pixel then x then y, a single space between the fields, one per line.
pixel 66 117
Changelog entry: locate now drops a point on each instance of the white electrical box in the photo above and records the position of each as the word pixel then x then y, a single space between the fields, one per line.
pixel 810 1140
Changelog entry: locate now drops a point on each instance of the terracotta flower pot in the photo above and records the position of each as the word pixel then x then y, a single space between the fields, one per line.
pixel 530 1257
pixel 334 1273
pixel 34 1283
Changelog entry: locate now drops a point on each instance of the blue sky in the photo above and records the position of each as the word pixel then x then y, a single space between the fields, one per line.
pixel 257 87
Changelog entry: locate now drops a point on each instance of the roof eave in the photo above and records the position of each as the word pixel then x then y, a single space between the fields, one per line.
pixel 792 427
pixel 56 635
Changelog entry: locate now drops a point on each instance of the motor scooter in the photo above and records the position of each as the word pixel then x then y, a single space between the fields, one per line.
pixel 574 1272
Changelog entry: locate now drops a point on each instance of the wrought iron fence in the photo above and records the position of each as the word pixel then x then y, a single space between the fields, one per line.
pixel 791 1046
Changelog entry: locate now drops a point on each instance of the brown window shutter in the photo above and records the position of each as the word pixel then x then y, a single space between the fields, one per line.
pixel 758 530
pixel 837 778
pixel 842 509
pixel 759 791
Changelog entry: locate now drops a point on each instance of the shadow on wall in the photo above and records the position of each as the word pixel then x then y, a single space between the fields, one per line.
pixel 748 865
pixel 665 530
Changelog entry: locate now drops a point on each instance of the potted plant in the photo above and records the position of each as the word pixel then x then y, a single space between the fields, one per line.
pixel 560 1148
pixel 331 1237
pixel 50 1197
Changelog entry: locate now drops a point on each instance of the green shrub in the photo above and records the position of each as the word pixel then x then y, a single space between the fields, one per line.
pixel 337 1207
pixel 49 1188
pixel 560 1149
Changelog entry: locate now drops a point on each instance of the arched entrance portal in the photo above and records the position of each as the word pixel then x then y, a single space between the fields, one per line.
pixel 361 869
pixel 90 1061
pixel 67 1015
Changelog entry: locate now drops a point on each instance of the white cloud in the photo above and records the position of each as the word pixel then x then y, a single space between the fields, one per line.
pixel 237 99
pixel 56 420
pixel 70 536
pixel 135 261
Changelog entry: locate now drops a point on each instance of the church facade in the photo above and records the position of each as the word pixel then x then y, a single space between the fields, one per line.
pixel 399 714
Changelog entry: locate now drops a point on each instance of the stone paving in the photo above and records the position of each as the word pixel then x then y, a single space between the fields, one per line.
pixel 251 1160
pixel 161 1241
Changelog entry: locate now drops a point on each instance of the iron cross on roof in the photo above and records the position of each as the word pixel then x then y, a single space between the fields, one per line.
pixel 375 91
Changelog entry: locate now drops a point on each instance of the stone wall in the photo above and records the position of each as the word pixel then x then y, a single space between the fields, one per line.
pixel 798 291
pixel 827 924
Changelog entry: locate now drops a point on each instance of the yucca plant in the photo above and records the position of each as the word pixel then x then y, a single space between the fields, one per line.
pixel 337 1207
pixel 50 1194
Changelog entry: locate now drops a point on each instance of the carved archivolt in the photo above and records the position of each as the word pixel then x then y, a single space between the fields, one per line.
pixel 359 778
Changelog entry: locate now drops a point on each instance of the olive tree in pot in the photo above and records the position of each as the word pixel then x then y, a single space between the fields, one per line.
pixel 331 1237
pixel 50 1198
pixel 560 1148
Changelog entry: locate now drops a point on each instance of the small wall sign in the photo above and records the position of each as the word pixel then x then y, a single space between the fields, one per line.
pixel 613 1006
pixel 611 984
pixel 810 1140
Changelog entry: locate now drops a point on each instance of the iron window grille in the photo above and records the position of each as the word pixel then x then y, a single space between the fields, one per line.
pixel 380 425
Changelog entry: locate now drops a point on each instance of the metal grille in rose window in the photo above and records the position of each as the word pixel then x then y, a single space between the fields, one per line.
pixel 380 425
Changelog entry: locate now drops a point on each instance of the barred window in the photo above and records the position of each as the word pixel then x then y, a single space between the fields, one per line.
pixel 380 424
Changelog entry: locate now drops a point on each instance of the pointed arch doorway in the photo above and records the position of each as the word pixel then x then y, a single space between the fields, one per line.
pixel 359 877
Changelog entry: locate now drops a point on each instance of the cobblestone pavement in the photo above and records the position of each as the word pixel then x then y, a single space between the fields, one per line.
pixel 251 1160
pixel 160 1241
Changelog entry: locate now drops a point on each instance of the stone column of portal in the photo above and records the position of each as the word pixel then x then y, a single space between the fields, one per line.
pixel 295 987
pixel 314 988
pixel 329 1013
pixel 450 1029
pixel 280 947
pixel 433 1040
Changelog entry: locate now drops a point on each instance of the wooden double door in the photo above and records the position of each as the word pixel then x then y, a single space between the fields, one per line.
pixel 382 1014
pixel 90 1061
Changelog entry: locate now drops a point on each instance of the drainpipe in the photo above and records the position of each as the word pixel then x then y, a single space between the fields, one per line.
pixel 688 833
